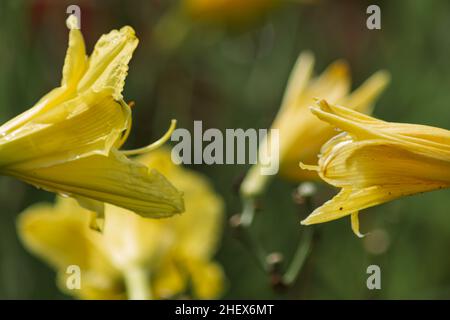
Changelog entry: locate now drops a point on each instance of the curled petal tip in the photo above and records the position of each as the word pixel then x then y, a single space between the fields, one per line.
pixel 72 22
pixel 354 218
pixel 360 235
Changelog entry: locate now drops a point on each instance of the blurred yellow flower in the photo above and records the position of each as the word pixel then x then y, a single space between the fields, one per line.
pixel 301 134
pixel 228 12
pixel 68 142
pixel 133 257
pixel 374 161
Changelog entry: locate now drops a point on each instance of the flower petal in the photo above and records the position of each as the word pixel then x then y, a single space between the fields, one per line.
pixel 207 279
pixel 113 179
pixel 133 240
pixel 75 65
pixel 333 83
pixel 349 201
pixel 59 238
pixel 169 279
pixel 298 80
pixel 376 162
pixel 199 229
pixel 354 217
pixel 60 235
pixel 361 127
pixel 89 124
pixel 362 99
pixel 108 64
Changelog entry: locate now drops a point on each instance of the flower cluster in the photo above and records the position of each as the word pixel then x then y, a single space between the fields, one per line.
pixel 70 143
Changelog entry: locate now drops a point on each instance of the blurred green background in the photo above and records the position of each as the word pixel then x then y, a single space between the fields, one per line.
pixel 232 75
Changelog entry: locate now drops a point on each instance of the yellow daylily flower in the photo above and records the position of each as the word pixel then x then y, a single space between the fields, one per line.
pixel 300 133
pixel 133 257
pixel 375 161
pixel 228 12
pixel 69 141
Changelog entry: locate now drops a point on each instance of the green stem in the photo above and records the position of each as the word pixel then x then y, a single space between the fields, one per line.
pixel 242 233
pixel 254 248
pixel 248 212
pixel 299 258
pixel 137 281
pixel 304 246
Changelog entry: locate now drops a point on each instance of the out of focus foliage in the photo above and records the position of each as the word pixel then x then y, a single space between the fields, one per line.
pixel 234 78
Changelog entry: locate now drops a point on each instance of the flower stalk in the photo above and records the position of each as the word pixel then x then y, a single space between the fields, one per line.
pixel 137 282
pixel 272 263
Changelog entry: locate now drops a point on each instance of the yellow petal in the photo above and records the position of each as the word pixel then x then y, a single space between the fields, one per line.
pixel 349 200
pixel 354 217
pixel 199 229
pixel 59 238
pixel 169 280
pixel 207 279
pixel 89 124
pixel 374 162
pixel 298 80
pixel 362 127
pixel 134 240
pixel 334 83
pixel 75 65
pixel 113 179
pixel 362 99
pixel 108 64
pixel 60 235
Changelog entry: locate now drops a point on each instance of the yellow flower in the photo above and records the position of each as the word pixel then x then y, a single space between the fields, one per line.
pixel 374 161
pixel 68 142
pixel 133 257
pixel 228 12
pixel 301 134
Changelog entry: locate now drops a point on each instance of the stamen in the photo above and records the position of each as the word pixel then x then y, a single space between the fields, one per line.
pixel 154 145
pixel 127 131
pixel 323 104
pixel 309 167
